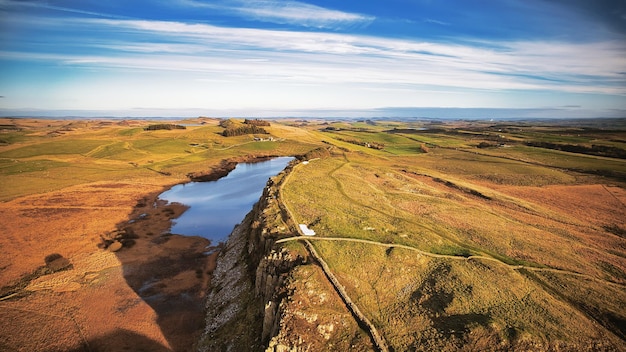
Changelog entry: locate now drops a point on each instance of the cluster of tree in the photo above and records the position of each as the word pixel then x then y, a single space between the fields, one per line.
pixel 373 145
pixel 164 126
pixel 256 122
pixel 228 123
pixel 599 150
pixel 241 130
pixel 483 145
pixel 354 129
pixel 320 152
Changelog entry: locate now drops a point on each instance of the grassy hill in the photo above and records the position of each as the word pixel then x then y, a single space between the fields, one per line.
pixel 460 247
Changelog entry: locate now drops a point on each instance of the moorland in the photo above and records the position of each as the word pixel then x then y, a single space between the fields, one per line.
pixel 445 235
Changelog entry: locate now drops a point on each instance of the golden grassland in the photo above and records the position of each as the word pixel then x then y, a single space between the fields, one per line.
pixel 515 247
pixel 457 247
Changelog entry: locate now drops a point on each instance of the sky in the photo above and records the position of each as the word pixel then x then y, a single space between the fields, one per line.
pixel 523 58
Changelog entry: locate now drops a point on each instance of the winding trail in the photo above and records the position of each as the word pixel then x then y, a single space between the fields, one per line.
pixel 452 257
pixel 408 219
pixel 483 254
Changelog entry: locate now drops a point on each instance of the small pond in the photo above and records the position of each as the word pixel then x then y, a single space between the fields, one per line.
pixel 216 207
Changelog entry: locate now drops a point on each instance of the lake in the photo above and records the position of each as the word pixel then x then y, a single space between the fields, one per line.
pixel 215 207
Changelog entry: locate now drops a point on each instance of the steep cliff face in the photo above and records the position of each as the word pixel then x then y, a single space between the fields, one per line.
pixel 251 286
pixel 245 291
pixel 231 306
pixel 271 276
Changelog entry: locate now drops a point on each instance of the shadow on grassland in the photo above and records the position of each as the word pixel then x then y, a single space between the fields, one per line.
pixel 169 272
pixel 121 340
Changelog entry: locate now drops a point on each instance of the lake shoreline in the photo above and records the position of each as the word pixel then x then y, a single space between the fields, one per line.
pixel 215 207
pixel 225 167
pixel 177 290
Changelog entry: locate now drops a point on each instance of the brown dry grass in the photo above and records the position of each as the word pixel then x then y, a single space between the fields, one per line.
pixel 99 303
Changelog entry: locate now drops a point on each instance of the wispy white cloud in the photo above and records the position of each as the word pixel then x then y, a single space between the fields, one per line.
pixel 326 57
pixel 292 68
pixel 13 4
pixel 434 21
pixel 284 12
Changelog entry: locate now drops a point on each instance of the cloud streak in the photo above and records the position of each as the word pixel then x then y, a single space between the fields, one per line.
pixel 318 57
pixel 284 12
pixel 12 4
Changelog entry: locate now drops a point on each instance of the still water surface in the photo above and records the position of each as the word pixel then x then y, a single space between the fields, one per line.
pixel 217 206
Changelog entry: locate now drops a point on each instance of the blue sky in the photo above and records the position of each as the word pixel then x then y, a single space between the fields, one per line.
pixel 542 58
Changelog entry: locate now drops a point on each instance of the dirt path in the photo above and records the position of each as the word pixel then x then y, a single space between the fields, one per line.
pixel 446 256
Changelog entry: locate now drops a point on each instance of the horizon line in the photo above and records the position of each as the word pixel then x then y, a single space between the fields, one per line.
pixel 482 113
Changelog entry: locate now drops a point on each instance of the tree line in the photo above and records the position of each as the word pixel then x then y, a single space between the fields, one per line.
pixel 164 126
pixel 241 130
pixel 599 150
pixel 256 122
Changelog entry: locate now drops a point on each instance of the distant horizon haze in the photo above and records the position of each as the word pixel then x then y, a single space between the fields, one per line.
pixel 382 113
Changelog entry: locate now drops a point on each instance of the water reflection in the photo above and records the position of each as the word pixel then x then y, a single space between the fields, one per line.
pixel 217 206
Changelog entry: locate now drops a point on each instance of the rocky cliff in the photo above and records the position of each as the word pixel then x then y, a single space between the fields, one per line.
pixel 245 292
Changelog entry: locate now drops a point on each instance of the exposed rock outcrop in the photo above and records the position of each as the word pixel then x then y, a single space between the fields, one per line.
pixel 231 307
pixel 271 274
pixel 242 306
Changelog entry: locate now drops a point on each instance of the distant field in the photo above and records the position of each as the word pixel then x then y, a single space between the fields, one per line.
pixel 45 155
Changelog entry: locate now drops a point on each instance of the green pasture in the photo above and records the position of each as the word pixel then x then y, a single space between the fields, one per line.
pixel 55 176
pixel 362 199
pixel 492 165
pixel 438 139
pixel 341 203
pixel 15 167
pixel 11 137
pixel 551 137
pixel 117 151
pixel 131 131
pixel 161 145
pixel 564 160
pixel 393 144
pixel 33 162
pixel 58 147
